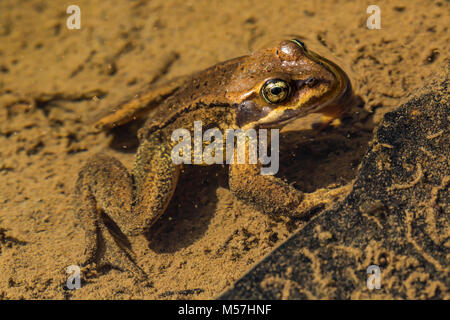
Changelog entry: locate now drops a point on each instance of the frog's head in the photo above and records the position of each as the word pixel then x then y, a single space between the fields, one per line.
pixel 274 86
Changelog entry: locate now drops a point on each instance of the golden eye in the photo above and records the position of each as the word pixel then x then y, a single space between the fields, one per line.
pixel 275 90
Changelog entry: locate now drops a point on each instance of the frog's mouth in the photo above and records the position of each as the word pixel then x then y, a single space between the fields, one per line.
pixel 331 104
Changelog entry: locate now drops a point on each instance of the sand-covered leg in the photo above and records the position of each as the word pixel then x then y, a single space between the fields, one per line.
pixel 103 204
pixel 267 193
pixel 155 178
pixel 112 204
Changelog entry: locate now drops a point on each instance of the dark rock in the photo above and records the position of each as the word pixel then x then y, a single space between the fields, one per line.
pixel 396 217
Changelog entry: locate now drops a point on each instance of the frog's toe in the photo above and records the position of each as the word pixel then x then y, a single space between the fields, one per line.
pixel 319 200
pixel 308 205
pixel 110 248
pixel 115 251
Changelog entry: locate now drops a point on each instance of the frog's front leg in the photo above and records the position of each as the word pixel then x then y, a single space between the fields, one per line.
pixel 106 194
pixel 268 193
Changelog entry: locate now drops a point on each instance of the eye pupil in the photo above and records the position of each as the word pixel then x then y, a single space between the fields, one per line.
pixel 276 90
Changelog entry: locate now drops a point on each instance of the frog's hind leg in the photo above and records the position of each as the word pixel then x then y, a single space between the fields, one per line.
pixel 112 204
pixel 104 189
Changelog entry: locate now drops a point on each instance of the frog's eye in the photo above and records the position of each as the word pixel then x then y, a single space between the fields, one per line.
pixel 300 43
pixel 275 90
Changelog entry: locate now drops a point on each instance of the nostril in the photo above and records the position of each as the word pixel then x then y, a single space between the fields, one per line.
pixel 311 81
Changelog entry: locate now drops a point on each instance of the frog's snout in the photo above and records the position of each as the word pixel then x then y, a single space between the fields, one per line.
pixel 347 96
pixel 343 99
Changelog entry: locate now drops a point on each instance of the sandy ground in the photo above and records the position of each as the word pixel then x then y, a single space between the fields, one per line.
pixel 54 80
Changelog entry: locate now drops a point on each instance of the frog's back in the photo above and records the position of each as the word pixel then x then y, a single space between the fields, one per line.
pixel 167 101
pixel 202 88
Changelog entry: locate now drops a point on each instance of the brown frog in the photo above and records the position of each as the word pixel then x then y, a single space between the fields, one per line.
pixel 265 89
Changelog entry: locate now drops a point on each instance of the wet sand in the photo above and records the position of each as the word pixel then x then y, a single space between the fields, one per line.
pixel 53 81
